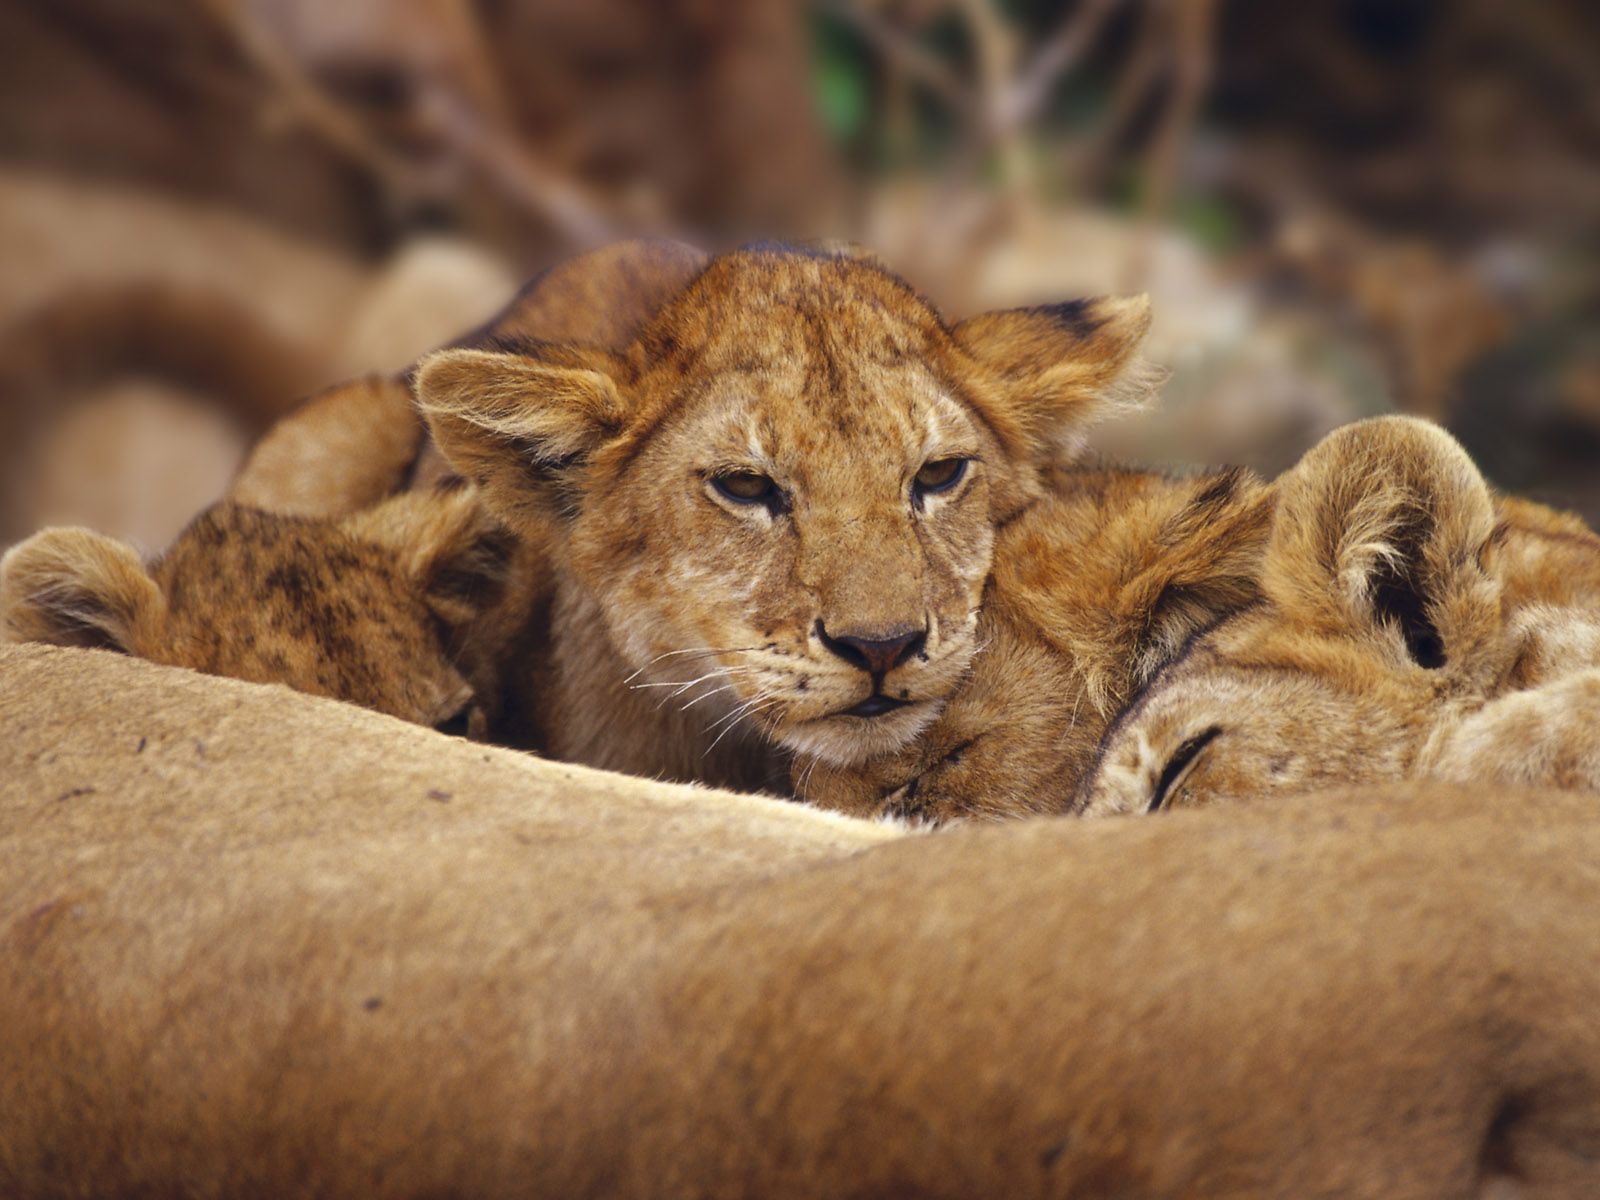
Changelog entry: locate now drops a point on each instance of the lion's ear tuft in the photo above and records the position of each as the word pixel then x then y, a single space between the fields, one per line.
pixel 458 553
pixel 1380 528
pixel 519 424
pixel 1057 369
pixel 73 587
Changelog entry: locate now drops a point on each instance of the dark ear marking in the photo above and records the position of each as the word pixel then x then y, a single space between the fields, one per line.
pixel 1380 531
pixel 1397 601
pixel 1076 316
pixel 475 573
pixel 1045 374
pixel 1220 488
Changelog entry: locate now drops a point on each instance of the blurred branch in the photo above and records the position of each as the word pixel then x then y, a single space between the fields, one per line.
pixel 1193 26
pixel 996 48
pixel 1131 90
pixel 901 50
pixel 1061 52
pixel 320 114
pixel 469 137
pixel 570 208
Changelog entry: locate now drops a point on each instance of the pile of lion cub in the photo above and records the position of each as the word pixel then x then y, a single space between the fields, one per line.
pixel 766 521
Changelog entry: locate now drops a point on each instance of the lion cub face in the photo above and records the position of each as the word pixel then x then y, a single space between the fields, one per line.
pixel 782 497
pixel 375 610
pixel 1093 590
pixel 1400 635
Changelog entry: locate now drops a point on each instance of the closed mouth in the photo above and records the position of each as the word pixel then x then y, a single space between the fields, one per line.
pixel 875 705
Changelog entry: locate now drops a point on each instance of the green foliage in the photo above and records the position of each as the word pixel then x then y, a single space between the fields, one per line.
pixel 840 79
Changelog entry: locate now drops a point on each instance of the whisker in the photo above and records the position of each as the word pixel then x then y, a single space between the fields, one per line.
pixel 684 686
pixel 726 687
pixel 740 711
pixel 702 653
pixel 748 713
pixel 805 777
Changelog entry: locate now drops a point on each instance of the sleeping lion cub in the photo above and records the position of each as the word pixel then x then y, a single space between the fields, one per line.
pixel 1376 616
pixel 405 608
pixel 1093 590
pixel 1411 626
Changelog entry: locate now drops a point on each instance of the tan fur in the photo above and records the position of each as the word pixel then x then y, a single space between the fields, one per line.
pixel 342 450
pixel 1412 626
pixel 263 945
pixel 406 608
pixel 355 443
pixel 688 629
pixel 1093 590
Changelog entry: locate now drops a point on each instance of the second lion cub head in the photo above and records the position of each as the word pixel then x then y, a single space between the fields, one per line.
pixel 404 608
pixel 1412 625
pixel 783 495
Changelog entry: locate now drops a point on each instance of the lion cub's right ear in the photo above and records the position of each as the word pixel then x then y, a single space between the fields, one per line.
pixel 72 587
pixel 521 425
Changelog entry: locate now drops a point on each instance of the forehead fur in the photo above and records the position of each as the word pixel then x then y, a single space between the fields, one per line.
pixel 765 308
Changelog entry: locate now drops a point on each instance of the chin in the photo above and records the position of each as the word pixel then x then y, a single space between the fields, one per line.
pixel 843 741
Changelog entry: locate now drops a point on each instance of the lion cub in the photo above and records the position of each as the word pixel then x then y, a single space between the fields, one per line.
pixel 1411 626
pixel 403 608
pixel 1093 589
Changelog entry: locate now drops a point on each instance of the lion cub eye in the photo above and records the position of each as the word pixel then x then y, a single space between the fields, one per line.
pixel 751 487
pixel 939 476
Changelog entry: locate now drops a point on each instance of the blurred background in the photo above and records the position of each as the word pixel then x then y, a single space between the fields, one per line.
pixel 210 208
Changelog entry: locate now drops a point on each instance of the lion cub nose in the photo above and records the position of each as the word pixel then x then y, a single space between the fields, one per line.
pixel 879 655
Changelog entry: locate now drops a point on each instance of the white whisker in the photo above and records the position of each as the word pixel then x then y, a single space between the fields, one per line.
pixel 726 687
pixel 749 712
pixel 685 685
pixel 676 653
pixel 740 711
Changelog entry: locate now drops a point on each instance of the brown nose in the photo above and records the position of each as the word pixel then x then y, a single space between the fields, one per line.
pixel 878 656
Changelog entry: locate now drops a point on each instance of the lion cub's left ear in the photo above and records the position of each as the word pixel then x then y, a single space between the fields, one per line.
pixel 1053 371
pixel 73 587
pixel 521 424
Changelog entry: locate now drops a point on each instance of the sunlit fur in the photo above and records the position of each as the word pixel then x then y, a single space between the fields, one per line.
pixel 1413 626
pixel 356 443
pixel 685 626
pixel 404 608
pixel 1093 590
pixel 289 949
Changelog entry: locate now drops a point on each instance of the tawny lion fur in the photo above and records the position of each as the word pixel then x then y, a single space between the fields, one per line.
pixel 259 944
pixel 408 608
pixel 692 633
pixel 1093 589
pixel 353 444
pixel 1412 626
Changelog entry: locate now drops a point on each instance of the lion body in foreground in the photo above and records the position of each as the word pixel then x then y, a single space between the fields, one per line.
pixel 1093 589
pixel 1412 625
pixel 261 944
pixel 405 608
pixel 774 510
